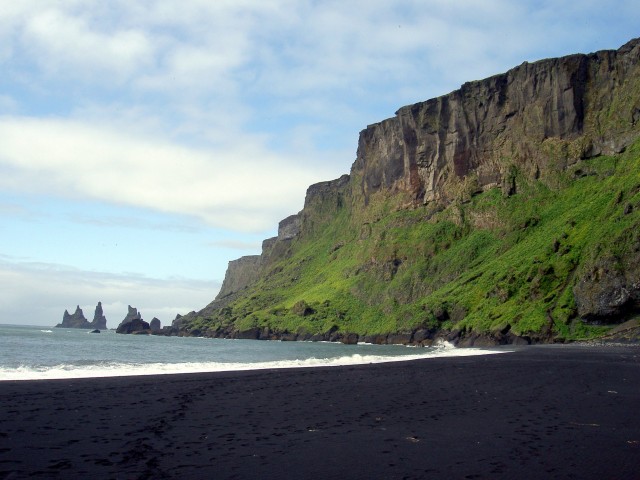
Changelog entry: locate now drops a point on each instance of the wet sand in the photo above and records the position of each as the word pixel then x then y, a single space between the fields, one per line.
pixel 540 412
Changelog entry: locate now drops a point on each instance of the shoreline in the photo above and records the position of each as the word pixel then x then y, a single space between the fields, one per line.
pixel 556 411
pixel 362 354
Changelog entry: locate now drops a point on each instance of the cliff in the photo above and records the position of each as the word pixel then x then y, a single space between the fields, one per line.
pixel 503 211
pixel 539 117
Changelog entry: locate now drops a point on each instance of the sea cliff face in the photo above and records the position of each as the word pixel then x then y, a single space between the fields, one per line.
pixel 446 225
pixel 538 117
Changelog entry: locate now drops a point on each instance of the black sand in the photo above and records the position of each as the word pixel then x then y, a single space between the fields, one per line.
pixel 542 412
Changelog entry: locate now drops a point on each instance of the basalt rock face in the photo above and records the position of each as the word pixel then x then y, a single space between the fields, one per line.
pixel 78 320
pixel 322 202
pixel 535 124
pixel 133 323
pixel 323 197
pixel 609 287
pixel 538 118
pixel 240 273
pixel 245 271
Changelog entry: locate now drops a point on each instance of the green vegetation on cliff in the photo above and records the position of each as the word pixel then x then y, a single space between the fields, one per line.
pixel 486 263
pixel 505 209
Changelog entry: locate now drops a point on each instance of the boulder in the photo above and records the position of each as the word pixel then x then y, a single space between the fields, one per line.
pixel 610 289
pixel 350 339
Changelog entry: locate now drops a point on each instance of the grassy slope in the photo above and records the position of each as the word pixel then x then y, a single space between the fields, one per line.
pixel 481 265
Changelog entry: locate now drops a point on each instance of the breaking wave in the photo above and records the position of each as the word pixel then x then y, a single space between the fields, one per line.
pixel 118 369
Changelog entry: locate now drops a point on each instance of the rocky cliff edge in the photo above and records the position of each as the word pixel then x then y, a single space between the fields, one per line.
pixel 532 122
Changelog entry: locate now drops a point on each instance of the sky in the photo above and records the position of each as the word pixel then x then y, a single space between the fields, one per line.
pixel 144 145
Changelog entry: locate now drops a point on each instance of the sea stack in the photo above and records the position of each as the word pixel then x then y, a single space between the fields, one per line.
pixel 155 324
pixel 99 320
pixel 133 323
pixel 77 320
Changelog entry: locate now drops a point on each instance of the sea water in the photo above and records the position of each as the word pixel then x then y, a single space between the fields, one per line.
pixel 33 353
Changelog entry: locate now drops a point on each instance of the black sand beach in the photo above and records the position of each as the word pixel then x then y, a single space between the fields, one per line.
pixel 540 412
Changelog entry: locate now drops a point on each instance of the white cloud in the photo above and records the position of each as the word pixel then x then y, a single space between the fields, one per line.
pixel 239 187
pixel 62 43
pixel 227 110
pixel 36 293
pixel 285 46
pixel 178 48
pixel 207 72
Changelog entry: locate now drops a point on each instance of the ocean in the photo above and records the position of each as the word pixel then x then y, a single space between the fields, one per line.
pixel 39 353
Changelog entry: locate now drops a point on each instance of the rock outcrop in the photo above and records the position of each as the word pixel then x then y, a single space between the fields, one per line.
pixel 538 117
pixel 155 325
pixel 245 271
pixel 610 289
pixel 532 124
pixel 78 320
pixel 99 320
pixel 133 323
pixel 240 274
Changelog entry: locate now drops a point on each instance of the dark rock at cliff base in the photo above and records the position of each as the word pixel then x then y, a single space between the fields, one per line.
pixel 288 337
pixel 155 324
pixel 251 334
pixel 133 323
pixel 609 288
pixel 350 339
pixel 375 339
pixel 400 338
pixel 95 331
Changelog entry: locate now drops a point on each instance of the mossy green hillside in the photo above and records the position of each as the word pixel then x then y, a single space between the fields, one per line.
pixel 486 263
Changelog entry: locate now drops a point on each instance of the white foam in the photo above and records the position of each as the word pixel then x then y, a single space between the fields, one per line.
pixel 63 371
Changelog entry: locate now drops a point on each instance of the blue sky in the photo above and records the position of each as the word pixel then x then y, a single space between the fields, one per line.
pixel 145 144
